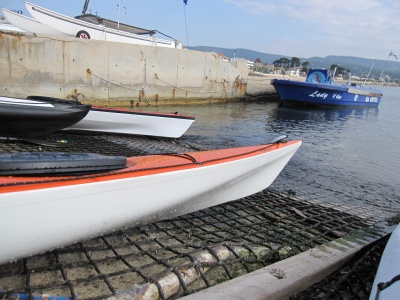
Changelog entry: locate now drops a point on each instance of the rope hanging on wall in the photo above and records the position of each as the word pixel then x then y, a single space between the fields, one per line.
pixel 152 82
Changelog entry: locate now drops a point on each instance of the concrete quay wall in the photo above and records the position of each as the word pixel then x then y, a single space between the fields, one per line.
pixel 259 85
pixel 106 73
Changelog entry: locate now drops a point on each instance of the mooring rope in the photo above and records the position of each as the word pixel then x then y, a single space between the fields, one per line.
pixel 152 82
pixel 192 91
pixel 114 83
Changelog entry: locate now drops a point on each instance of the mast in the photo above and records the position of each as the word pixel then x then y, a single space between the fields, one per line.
pixel 370 71
pixel 390 54
pixel 383 70
pixel 118 13
pixel 85 7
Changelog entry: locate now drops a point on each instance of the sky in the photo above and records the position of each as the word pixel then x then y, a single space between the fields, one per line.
pixel 293 28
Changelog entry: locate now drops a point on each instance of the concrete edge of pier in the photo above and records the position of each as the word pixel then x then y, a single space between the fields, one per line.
pixel 297 273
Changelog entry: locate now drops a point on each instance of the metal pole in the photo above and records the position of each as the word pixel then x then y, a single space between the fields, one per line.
pixel 370 71
pixel 85 7
pixel 118 13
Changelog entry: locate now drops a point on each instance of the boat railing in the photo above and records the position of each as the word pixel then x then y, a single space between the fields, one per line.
pixel 97 20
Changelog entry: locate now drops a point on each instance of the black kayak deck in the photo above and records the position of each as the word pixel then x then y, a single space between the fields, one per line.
pixel 43 163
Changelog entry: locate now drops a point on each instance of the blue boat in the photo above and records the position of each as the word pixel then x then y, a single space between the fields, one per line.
pixel 319 90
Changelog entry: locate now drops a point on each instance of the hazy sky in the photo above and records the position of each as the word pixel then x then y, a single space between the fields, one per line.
pixel 306 28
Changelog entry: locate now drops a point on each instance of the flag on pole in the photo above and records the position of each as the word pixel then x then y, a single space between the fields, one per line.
pixel 392 54
pixel 185 1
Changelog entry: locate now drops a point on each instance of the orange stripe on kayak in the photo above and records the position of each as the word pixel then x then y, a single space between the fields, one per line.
pixel 139 166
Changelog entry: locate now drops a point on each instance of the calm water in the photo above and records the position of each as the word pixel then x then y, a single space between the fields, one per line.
pixel 348 155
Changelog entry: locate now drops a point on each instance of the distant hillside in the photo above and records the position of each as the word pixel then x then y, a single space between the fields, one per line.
pixel 242 53
pixel 358 66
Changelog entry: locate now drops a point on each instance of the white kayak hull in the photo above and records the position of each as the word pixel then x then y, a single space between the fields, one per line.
pixel 48 215
pixel 123 121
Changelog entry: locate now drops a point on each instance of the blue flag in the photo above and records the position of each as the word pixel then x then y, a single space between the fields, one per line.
pixel 185 1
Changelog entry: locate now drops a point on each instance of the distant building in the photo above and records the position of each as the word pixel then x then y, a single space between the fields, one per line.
pixel 250 64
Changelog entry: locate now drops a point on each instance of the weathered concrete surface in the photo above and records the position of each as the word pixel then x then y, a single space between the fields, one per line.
pixel 288 277
pixel 259 85
pixel 104 73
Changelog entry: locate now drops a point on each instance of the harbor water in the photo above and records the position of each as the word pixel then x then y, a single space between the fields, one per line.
pixel 343 180
pixel 349 155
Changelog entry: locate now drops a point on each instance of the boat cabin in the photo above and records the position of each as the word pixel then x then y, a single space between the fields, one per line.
pixel 319 76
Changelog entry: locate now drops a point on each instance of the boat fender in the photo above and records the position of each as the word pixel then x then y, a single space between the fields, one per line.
pixel 82 34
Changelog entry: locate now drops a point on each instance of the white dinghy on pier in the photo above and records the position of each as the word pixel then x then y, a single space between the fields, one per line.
pixel 89 26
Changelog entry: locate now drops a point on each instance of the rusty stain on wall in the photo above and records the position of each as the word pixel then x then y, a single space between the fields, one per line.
pixel 141 95
pixel 75 95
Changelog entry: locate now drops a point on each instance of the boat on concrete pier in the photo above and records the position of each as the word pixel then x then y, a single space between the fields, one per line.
pixel 89 26
pixel 115 74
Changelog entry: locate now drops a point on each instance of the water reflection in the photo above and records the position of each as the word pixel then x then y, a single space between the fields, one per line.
pixel 320 114
pixel 221 125
pixel 341 157
pixel 348 154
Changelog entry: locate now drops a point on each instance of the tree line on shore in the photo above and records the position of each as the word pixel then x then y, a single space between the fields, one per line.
pixel 284 64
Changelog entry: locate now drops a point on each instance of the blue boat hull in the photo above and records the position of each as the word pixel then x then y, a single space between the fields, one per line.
pixel 324 94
